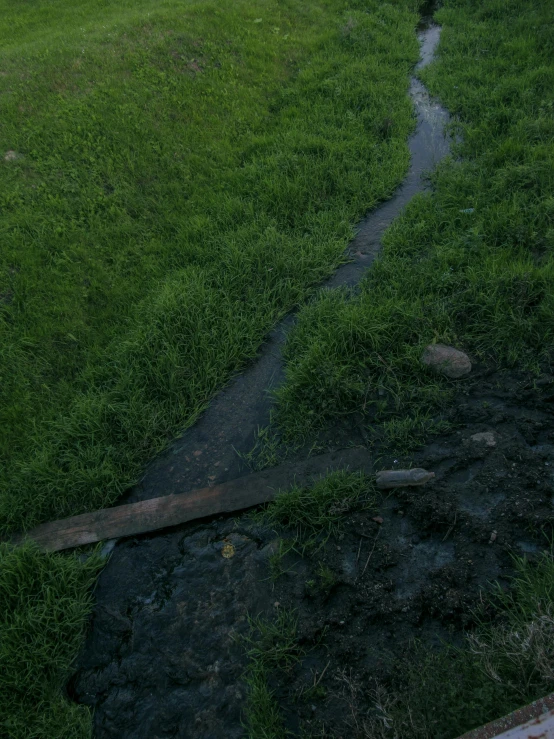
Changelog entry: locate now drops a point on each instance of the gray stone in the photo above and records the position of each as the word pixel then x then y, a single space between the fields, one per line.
pixel 485 436
pixel 446 360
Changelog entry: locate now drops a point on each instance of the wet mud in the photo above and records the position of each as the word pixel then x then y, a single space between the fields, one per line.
pixel 163 657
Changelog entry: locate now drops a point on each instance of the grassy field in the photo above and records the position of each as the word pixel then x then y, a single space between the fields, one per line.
pixel 470 263
pixel 187 173
pixel 175 176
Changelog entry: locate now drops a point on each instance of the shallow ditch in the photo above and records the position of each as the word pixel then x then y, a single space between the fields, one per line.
pixel 162 657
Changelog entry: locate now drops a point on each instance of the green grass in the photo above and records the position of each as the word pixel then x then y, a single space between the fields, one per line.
pixel 271 646
pixel 324 581
pixel 470 263
pixel 315 513
pixel 507 662
pixel 44 603
pixel 188 172
pixel 276 560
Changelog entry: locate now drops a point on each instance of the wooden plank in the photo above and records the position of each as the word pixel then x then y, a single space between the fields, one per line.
pixel 534 721
pixel 171 510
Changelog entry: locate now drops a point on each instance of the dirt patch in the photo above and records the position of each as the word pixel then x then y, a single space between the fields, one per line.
pixel 164 658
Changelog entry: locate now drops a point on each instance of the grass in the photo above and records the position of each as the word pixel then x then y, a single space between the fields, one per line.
pixel 44 603
pixel 507 662
pixel 469 263
pixel 276 560
pixel 271 646
pixel 188 172
pixel 324 581
pixel 316 513
pixel 182 174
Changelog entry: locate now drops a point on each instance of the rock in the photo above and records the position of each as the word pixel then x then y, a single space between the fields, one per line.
pixel 387 479
pixel 378 519
pixel 446 360
pixel 486 437
pixel 493 537
pixel 11 156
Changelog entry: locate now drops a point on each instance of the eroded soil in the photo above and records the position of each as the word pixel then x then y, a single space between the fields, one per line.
pixel 163 658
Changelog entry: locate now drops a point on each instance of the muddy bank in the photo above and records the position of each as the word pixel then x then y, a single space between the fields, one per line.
pixel 163 659
pixel 436 548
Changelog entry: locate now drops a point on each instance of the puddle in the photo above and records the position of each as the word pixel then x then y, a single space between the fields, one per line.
pixel 162 657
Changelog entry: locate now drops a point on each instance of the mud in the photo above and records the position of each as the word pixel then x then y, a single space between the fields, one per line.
pixel 438 547
pixel 163 658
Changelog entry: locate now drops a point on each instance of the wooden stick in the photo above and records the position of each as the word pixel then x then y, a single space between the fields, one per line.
pixel 171 510
pixel 372 550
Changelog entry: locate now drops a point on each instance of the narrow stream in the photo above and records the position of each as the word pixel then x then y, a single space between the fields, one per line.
pixel 161 659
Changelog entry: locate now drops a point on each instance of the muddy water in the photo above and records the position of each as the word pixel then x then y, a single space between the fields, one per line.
pixel 161 658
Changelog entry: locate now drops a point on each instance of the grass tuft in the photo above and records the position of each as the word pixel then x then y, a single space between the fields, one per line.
pixel 317 512
pixel 271 645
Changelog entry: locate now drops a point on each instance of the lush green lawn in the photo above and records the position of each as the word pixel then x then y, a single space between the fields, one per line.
pixel 181 174
pixel 470 264
pixel 188 171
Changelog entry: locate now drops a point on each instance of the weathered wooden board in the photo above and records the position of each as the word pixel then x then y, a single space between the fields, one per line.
pixel 534 721
pixel 171 510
